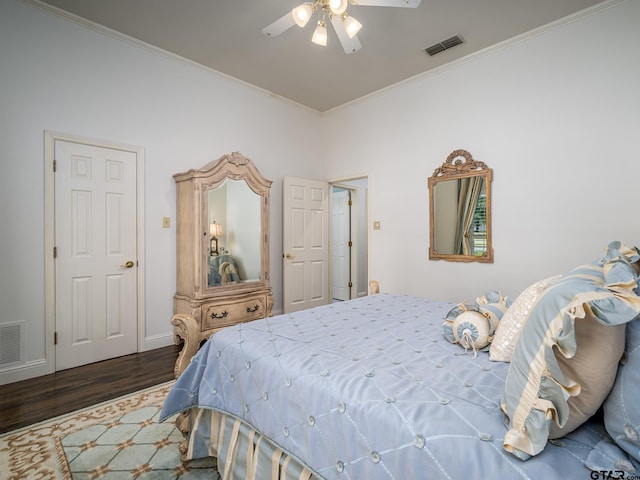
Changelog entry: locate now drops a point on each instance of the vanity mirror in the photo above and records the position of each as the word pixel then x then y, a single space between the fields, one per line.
pixel 460 210
pixel 222 236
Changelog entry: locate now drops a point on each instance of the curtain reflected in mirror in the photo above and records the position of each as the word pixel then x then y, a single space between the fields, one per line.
pixel 459 210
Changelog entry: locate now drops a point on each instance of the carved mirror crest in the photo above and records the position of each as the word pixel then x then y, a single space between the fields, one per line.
pixel 460 210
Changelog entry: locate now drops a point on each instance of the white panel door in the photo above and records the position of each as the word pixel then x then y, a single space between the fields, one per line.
pixel 305 243
pixel 95 239
pixel 340 244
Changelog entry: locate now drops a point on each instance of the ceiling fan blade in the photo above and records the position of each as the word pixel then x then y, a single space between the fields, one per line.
pixel 389 3
pixel 350 45
pixel 280 25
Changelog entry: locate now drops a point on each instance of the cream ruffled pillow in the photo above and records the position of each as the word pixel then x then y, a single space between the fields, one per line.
pixel 508 331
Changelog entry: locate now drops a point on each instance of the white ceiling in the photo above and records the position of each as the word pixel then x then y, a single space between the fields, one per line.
pixel 227 36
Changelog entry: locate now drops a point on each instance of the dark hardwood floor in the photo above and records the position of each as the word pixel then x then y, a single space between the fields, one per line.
pixel 30 401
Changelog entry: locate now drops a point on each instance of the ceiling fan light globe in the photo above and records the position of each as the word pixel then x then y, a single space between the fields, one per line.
pixel 338 7
pixel 320 35
pixel 352 26
pixel 302 14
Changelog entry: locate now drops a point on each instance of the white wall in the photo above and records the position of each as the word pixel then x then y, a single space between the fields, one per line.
pixel 557 118
pixel 60 76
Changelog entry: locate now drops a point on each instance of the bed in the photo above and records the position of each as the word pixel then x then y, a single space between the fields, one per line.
pixel 377 388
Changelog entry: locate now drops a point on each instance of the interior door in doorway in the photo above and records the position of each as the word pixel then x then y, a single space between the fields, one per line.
pixel 305 243
pixel 95 243
pixel 341 244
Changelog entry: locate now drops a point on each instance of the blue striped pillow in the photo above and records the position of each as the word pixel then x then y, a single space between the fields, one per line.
pixel 478 320
pixel 536 391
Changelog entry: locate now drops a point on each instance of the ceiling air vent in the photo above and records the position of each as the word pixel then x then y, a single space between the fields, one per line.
pixel 444 45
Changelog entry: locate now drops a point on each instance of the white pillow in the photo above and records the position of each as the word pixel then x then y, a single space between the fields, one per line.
pixel 509 328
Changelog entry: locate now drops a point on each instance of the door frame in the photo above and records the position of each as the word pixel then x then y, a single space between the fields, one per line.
pixel 50 139
pixel 353 264
pixel 362 197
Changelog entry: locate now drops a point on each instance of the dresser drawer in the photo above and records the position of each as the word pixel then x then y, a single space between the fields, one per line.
pixel 224 314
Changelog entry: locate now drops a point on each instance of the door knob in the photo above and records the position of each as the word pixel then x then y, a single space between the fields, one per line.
pixel 288 255
pixel 129 264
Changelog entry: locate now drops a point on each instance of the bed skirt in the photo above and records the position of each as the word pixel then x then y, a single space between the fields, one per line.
pixel 241 451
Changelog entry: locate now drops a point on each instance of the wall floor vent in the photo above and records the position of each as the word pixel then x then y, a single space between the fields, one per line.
pixel 444 45
pixel 11 343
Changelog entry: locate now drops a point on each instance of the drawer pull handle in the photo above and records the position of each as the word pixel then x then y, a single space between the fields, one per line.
pixel 222 315
pixel 254 309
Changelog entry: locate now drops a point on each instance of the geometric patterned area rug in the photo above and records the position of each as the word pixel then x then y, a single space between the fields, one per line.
pixel 115 440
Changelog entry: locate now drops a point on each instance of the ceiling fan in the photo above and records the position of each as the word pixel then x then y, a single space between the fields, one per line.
pixel 345 26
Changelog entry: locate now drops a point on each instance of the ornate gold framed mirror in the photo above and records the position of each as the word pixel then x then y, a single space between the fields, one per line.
pixel 460 210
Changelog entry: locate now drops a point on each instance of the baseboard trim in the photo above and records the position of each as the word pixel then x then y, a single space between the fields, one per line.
pixel 24 371
pixel 38 368
pixel 158 341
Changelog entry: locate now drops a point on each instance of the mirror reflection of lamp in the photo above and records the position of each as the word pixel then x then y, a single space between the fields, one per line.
pixel 215 231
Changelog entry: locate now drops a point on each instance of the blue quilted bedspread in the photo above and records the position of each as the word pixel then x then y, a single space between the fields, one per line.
pixel 370 389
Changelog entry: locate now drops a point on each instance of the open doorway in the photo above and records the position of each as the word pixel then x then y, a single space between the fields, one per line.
pixel 349 239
